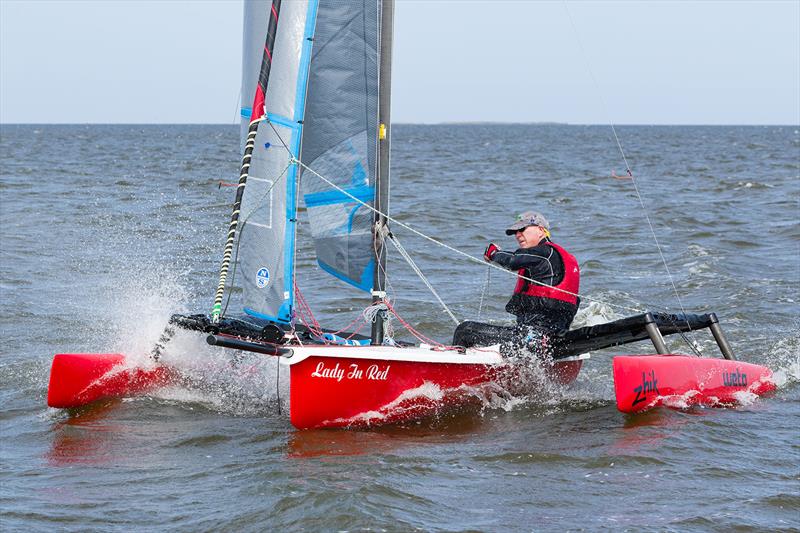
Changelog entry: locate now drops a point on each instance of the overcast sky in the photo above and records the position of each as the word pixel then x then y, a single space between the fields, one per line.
pixel 669 62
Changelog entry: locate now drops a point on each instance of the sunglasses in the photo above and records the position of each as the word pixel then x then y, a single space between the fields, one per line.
pixel 522 229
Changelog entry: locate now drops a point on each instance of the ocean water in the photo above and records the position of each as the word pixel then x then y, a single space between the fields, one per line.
pixel 107 230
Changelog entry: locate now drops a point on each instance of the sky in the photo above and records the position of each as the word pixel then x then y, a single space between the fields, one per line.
pixel 580 62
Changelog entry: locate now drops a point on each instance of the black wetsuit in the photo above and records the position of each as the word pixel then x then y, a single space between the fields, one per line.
pixel 535 316
pixel 544 264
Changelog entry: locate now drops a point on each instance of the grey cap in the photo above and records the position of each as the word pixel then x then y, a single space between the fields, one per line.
pixel 528 218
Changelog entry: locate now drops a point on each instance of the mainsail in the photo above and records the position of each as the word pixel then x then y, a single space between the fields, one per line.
pixel 322 104
pixel 267 232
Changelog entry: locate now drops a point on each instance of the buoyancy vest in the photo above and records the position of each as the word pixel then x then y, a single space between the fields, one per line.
pixel 569 286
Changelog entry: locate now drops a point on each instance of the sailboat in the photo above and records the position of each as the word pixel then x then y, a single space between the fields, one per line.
pixel 319 74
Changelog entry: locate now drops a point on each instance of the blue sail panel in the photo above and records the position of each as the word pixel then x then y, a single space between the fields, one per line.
pixel 340 138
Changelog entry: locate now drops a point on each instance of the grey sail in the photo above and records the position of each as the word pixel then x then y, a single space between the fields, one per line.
pixel 265 268
pixel 340 138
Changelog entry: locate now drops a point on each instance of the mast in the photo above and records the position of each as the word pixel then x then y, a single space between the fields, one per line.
pixel 382 178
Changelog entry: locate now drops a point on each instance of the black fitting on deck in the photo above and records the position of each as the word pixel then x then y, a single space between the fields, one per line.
pixel 247 346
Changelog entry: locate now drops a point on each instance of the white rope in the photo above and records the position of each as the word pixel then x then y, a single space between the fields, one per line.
pixel 371 312
pixel 416 269
pixel 454 250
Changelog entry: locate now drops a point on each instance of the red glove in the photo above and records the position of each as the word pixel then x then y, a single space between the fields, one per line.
pixel 490 251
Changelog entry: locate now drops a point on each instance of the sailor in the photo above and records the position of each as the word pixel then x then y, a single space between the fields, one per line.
pixel 545 298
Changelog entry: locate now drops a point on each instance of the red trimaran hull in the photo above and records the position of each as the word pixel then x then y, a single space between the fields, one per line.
pixel 357 392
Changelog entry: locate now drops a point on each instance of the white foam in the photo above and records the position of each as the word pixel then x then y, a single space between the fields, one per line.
pixel 408 400
pixel 784 361
pixel 137 312
pixel 138 309
pixel 697 250
pixel 745 397
pixel 593 314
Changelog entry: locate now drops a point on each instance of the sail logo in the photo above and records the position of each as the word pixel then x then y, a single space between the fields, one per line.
pixel 262 277
pixel 648 385
pixel 734 379
pixel 354 371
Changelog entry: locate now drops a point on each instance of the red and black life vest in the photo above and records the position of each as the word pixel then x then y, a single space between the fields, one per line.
pixel 570 283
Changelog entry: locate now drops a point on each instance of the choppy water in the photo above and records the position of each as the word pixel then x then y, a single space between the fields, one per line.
pixel 106 230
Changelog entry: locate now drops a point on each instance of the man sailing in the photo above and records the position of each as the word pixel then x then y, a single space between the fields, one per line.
pixel 544 306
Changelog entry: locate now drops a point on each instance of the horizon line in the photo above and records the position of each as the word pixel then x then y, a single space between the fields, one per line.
pixel 443 123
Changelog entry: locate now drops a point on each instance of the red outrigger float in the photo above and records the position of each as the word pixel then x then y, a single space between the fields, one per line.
pixel 643 382
pixel 78 379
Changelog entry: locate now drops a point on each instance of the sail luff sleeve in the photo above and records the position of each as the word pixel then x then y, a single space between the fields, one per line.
pixel 258 112
pixel 266 64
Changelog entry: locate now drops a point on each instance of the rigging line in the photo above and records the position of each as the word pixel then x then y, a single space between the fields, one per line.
pixel 303 305
pixel 345 330
pixel 278 385
pixel 421 276
pixel 455 250
pixel 693 344
pixel 303 308
pixel 238 113
pixel 624 158
pixel 387 281
pixel 278 135
pixel 422 338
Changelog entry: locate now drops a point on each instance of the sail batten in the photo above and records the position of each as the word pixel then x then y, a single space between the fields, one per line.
pixel 273 118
